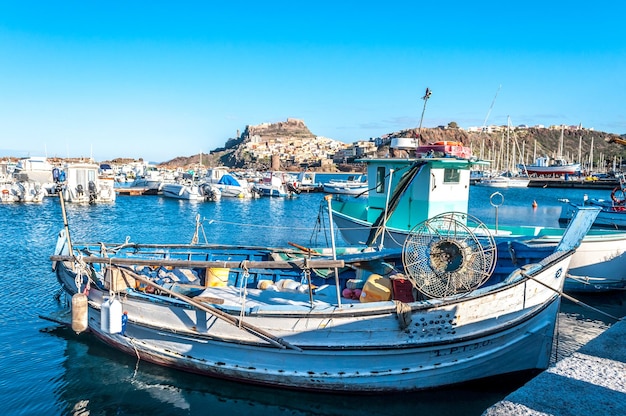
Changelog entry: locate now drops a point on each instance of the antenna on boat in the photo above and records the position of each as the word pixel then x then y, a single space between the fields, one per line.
pixel 419 130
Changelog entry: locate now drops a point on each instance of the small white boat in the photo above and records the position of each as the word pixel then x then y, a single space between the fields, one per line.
pixel 190 191
pixel 34 169
pixel 306 182
pixel 353 185
pixel 494 182
pixel 558 166
pixel 149 181
pixel 276 184
pixel 83 184
pixel 503 181
pixel 228 184
pixel 552 167
pixel 22 191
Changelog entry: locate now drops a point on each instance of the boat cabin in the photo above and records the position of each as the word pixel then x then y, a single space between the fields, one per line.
pixel 419 188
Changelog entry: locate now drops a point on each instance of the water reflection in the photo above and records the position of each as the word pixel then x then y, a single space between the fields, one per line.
pixel 100 380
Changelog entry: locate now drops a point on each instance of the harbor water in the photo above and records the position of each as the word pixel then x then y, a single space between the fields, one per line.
pixel 50 370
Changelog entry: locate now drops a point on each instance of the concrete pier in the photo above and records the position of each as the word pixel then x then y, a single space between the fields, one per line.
pixel 591 382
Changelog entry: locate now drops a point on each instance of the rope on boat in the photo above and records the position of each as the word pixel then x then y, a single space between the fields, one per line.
pixel 571 298
pixel 82 270
pixel 199 227
pixel 132 342
pixel 586 280
pixel 403 311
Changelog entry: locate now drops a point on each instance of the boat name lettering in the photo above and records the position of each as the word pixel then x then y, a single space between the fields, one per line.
pixel 461 349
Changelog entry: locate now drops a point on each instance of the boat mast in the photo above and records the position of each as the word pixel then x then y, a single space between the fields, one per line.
pixel 591 157
pixel 490 107
pixel 580 147
pixel 419 130
pixel 492 154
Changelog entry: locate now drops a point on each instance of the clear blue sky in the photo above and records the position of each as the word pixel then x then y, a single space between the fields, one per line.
pixel 157 79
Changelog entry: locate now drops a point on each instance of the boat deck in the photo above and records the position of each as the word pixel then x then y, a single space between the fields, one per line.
pixel 257 299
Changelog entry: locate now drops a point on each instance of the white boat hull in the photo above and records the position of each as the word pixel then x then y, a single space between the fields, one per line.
pixel 493 184
pixel 571 169
pixel 356 348
pixel 85 186
pixel 345 190
pixel 181 191
pixel 22 192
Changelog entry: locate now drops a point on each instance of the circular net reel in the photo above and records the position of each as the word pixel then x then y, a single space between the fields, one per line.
pixel 449 254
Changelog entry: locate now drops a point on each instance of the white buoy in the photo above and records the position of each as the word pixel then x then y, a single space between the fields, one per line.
pixel 79 313
pixel 111 316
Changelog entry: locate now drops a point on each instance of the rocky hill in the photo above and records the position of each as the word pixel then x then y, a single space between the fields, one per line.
pixel 533 141
pixel 232 153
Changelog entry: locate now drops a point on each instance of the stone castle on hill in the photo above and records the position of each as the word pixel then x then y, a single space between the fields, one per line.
pixel 290 145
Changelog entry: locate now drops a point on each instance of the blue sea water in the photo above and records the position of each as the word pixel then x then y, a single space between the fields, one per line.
pixel 50 370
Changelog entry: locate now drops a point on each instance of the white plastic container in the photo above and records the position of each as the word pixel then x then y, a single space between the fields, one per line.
pixel 111 316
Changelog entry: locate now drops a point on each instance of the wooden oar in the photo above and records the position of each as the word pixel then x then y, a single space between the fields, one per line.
pixel 278 342
pixel 303 248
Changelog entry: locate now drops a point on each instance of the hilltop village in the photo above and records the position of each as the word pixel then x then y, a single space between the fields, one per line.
pixel 290 145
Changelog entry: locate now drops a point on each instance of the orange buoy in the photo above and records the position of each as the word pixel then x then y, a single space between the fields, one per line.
pixel 534 204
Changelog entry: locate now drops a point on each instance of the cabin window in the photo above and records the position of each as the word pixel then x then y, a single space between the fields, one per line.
pixel 451 175
pixel 380 180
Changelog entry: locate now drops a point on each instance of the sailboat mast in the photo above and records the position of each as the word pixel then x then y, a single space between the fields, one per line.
pixel 509 155
pixel 580 146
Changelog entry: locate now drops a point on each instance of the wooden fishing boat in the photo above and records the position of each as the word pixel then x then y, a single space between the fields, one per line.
pixel 404 192
pixel 444 309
